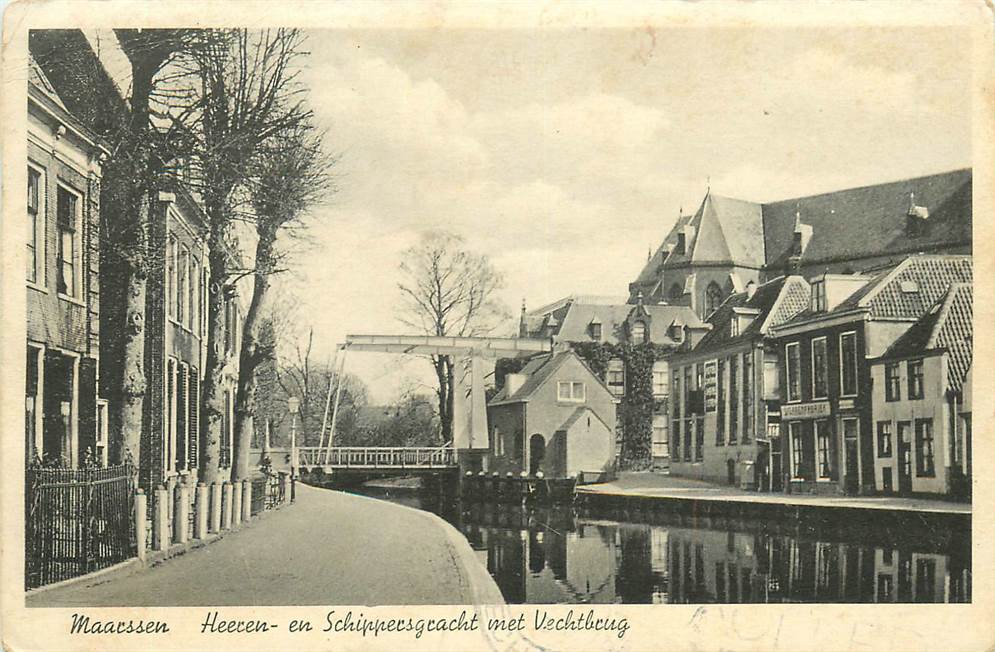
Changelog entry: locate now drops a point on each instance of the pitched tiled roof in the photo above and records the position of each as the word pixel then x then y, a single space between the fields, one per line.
pixel 37 78
pixel 864 222
pixel 948 325
pixel 729 230
pixel 574 317
pixel 774 300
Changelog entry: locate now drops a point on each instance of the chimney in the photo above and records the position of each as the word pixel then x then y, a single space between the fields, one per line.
pixel 523 327
pixel 917 218
pixel 513 383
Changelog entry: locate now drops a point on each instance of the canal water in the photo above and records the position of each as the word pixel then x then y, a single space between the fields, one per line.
pixel 565 555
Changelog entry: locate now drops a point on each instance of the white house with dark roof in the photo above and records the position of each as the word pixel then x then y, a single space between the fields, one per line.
pixel 922 433
pixel 728 242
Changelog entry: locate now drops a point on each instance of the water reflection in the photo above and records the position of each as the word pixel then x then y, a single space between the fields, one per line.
pixel 556 555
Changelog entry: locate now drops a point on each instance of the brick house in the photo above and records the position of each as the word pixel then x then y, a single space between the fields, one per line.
pixel 729 242
pixel 826 409
pixel 922 438
pixel 726 389
pixel 582 322
pixel 64 416
pixel 554 416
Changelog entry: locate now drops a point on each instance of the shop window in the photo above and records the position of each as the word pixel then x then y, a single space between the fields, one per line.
pixel 797 465
pixel 823 454
pixel 892 382
pixel 924 448
pixel 915 379
pixel 884 439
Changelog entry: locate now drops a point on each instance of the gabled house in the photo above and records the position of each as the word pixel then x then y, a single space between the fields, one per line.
pixel 65 418
pixel 554 416
pixel 726 389
pixel 729 242
pixel 922 434
pixel 826 409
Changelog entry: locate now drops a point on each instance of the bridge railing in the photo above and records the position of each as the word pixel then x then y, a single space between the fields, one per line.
pixel 377 457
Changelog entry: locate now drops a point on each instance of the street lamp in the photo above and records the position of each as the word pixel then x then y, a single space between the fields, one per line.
pixel 293 405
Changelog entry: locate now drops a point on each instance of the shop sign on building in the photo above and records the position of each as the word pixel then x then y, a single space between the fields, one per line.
pixel 805 410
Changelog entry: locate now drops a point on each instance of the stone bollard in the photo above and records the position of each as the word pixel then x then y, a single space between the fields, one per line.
pixel 215 507
pixel 160 519
pixel 141 513
pixel 236 503
pixel 201 511
pixel 181 508
pixel 247 500
pixel 226 506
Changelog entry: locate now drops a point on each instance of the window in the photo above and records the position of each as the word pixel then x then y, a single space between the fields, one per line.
pixel 193 418
pixel 699 438
pixel 616 377
pixel 194 295
pixel 183 286
pixel 720 400
pixel 638 333
pixel 182 412
pixel 570 390
pixel 676 402
pixel 884 438
pixel 676 292
pixel 171 261
pixel 661 375
pixel 595 330
pixel 733 399
pixel 688 388
pixel 824 458
pixel 793 361
pixel 169 450
pixel 795 430
pixel 713 298
pixel 229 325
pixel 747 395
pixel 36 228
pixel 924 448
pixel 915 379
pixel 820 369
pixel 848 364
pixel 734 326
pixel 675 409
pixel 496 443
pixel 819 296
pixel 69 248
pixel 660 436
pixel 101 439
pixel 892 382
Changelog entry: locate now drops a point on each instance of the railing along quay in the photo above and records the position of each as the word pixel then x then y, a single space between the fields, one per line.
pixel 373 457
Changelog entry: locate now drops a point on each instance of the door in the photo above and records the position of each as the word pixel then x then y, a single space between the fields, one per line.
pixel 537 450
pixel 904 458
pixel 851 475
pixel 731 471
pixel 776 472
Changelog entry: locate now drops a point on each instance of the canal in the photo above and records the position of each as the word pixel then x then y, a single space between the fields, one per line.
pixel 566 555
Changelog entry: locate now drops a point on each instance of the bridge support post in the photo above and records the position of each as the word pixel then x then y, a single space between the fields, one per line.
pixel 246 500
pixel 226 494
pixel 200 511
pixel 236 503
pixel 215 507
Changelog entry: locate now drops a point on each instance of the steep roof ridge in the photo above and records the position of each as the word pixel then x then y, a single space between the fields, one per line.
pixel 866 186
pixel 710 219
pixel 790 283
pixel 952 295
pixel 886 280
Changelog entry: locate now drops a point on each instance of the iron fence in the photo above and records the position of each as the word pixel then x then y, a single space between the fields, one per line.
pixel 76 521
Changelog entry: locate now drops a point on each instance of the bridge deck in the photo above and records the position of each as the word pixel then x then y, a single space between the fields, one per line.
pixel 377 458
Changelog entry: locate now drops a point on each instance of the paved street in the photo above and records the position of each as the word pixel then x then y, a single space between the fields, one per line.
pixel 329 548
pixel 665 486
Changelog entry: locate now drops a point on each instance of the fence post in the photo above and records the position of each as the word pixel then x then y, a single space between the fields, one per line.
pixel 160 519
pixel 236 503
pixel 215 507
pixel 181 507
pixel 226 493
pixel 141 512
pixel 200 512
pixel 247 500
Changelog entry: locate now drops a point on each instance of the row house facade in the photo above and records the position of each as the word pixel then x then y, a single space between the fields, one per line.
pixel 828 409
pixel 728 242
pixel 585 321
pixel 76 292
pixel 65 417
pixel 726 388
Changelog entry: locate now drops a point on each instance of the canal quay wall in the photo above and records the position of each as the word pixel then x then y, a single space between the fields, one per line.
pixel 648 493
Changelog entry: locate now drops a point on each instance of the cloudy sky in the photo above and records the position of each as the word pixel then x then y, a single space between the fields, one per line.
pixel 566 154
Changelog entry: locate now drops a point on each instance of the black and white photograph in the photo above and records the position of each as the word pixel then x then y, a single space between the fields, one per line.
pixel 360 314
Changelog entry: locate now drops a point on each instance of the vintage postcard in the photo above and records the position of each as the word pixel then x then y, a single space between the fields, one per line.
pixel 500 326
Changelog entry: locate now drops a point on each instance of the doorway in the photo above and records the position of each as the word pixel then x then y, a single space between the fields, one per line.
pixel 851 474
pixel 904 458
pixel 731 471
pixel 537 451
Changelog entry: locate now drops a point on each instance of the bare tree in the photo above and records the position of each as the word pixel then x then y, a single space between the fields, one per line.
pixel 289 176
pixel 448 291
pixel 249 95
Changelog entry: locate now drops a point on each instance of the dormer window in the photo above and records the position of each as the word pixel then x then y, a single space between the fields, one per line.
pixel 594 328
pixel 638 332
pixel 681 243
pixel 734 326
pixel 676 331
pixel 818 296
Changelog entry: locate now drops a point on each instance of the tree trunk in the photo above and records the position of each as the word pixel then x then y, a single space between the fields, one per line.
pixel 447 433
pixel 213 401
pixel 443 394
pixel 136 180
pixel 249 358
